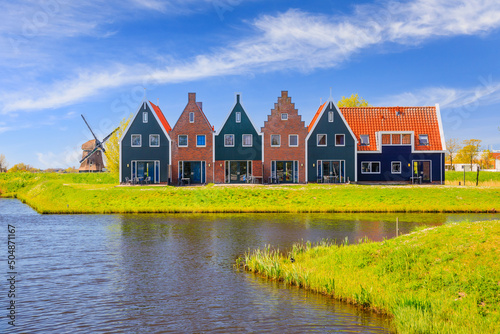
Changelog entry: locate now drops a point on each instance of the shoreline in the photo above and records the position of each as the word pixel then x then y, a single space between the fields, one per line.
pixel 99 194
pixel 441 279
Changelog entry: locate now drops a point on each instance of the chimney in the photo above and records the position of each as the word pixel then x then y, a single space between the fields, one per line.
pixel 192 97
pixel 237 97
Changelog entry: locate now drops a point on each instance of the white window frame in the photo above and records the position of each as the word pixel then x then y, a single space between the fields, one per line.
pixel 420 137
pixel 179 141
pixel 238 117
pixel 144 117
pixel 284 116
pixel 392 167
pixel 228 145
pixel 370 167
pixel 150 137
pixel 279 141
pixel 330 116
pixel 289 140
pixel 132 140
pixel 339 134
pixel 361 140
pixel 243 140
pixel 191 117
pixel 317 139
pixel 197 141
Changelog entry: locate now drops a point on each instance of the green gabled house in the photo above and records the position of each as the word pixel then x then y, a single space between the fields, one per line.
pixel 238 148
pixel 331 147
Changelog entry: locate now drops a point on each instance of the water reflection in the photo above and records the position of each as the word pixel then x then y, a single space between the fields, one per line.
pixel 173 273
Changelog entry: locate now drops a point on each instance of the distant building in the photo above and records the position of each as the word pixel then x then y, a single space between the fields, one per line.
pixel 94 163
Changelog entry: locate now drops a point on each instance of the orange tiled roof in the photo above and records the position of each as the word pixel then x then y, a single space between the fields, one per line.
pixel 496 156
pixel 369 120
pixel 162 118
pixel 315 117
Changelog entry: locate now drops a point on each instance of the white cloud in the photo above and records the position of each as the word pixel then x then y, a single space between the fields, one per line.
pixel 291 40
pixel 487 92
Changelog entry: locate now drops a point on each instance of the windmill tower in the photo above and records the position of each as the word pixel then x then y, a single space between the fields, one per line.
pixel 92 153
pixel 94 162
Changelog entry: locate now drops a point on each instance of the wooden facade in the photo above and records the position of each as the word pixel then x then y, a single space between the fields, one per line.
pixel 238 148
pixel 331 147
pixel 145 147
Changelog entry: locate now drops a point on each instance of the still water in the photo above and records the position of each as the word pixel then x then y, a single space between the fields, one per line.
pixel 174 273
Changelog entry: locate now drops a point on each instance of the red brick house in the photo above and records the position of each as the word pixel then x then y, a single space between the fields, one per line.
pixel 284 134
pixel 192 146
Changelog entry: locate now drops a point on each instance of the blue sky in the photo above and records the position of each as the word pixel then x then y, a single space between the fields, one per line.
pixel 61 59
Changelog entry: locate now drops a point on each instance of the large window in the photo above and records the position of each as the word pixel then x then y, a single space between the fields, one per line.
pixel 183 140
pixel 370 167
pixel 247 140
pixel 423 139
pixel 191 117
pixel 293 140
pixel 275 140
pixel 136 140
pixel 396 139
pixel 154 140
pixel 321 140
pixel 228 140
pixel 145 117
pixel 200 140
pixel 340 140
pixel 396 167
pixel 238 117
pixel 365 140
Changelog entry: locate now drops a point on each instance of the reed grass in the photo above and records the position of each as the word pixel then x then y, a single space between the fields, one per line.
pixel 437 280
pixel 98 193
pixel 490 179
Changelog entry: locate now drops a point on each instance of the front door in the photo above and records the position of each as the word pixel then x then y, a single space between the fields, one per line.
pixel 331 171
pixel 422 169
pixel 238 171
pixel 142 170
pixel 285 171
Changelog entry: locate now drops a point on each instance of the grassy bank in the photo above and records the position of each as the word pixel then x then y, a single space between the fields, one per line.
pixel 438 280
pixel 97 193
pixel 485 178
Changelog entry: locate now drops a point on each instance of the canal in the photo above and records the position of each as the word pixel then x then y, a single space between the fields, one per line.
pixel 174 273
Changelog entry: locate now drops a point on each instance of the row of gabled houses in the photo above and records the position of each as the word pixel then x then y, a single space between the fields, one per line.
pixel 340 145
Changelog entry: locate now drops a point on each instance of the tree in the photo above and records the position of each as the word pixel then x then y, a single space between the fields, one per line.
pixel 353 101
pixel 469 153
pixel 485 159
pixel 452 146
pixel 3 164
pixel 21 167
pixel 112 147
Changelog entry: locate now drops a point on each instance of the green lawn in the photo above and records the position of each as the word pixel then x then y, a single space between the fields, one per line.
pixel 98 193
pixel 438 280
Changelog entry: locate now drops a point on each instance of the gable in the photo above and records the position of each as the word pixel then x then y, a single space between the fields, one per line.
pixel 238 129
pixel 154 125
pixel 321 123
pixel 293 123
pixel 200 122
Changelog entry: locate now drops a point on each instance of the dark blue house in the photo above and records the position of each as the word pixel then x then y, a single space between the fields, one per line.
pixel 238 148
pixel 331 147
pixel 145 147
pixel 401 144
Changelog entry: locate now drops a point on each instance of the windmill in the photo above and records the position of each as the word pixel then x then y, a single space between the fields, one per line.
pixel 91 160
